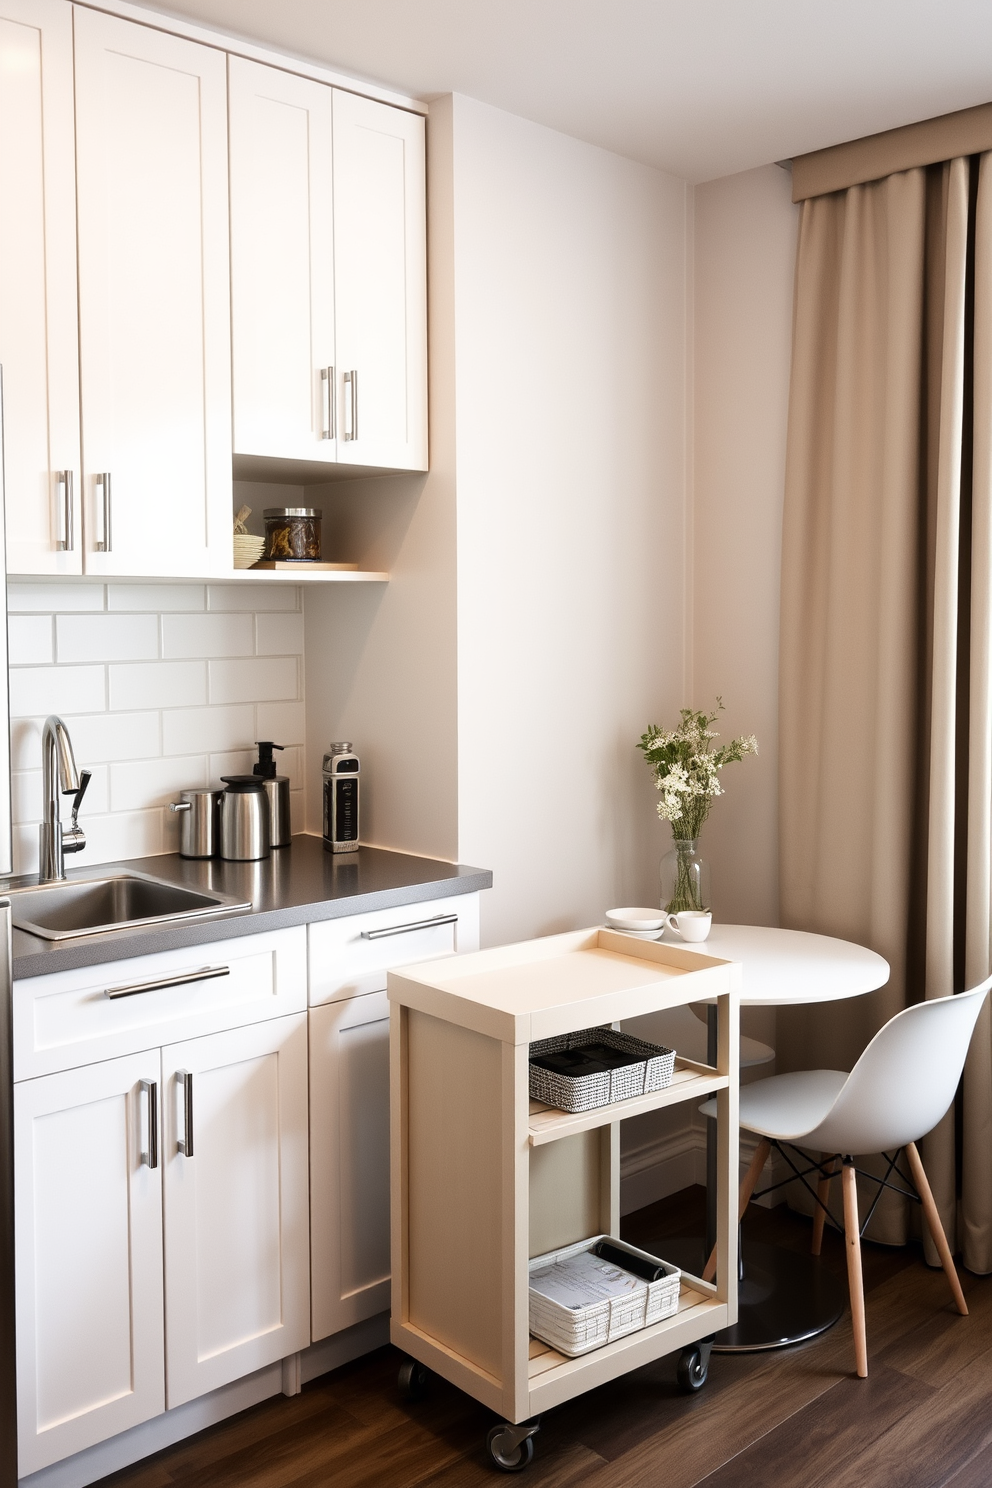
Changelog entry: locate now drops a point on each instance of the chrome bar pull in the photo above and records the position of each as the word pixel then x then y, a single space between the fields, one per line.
pixel 65 541
pixel 184 1080
pixel 327 402
pixel 445 919
pixel 351 405
pixel 105 509
pixel 149 1137
pixel 181 979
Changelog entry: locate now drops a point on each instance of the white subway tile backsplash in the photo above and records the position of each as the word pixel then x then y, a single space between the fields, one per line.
pixel 259 679
pixel 279 635
pixel 106 637
pixel 155 782
pixel 167 684
pixel 162 686
pixel 52 597
pixel 115 736
pixel 209 635
pixel 158 598
pixel 253 598
pixel 29 639
pixel 57 689
pixel 284 722
pixel 191 730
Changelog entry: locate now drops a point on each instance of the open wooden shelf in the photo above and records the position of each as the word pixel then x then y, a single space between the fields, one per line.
pixel 321 576
pixel 689 1082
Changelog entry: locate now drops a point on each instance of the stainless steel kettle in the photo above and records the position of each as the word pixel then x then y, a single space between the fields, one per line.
pixel 244 819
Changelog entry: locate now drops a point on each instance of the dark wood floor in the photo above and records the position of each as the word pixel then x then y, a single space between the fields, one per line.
pixel 795 1418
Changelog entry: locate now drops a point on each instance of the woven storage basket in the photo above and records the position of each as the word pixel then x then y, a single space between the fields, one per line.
pixel 651 1069
pixel 573 1331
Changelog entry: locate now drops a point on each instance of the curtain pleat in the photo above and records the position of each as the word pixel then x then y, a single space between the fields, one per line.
pixel 885 700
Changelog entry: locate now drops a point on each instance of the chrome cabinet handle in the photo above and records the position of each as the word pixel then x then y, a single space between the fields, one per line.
pixel 149 1152
pixel 65 541
pixel 184 1079
pixel 327 402
pixel 131 989
pixel 351 406
pixel 448 919
pixel 106 543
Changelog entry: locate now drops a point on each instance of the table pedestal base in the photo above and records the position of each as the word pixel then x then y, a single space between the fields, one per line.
pixel 785 1297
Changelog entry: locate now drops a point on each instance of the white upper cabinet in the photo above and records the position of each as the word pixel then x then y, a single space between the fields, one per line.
pixel 154 306
pixel 380 278
pixel 328 273
pixel 38 347
pixel 282 263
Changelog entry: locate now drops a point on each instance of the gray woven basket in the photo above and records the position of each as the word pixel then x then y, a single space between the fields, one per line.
pixel 651 1068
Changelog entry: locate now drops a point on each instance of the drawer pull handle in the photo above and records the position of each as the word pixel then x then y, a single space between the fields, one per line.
pixel 184 1079
pixel 448 919
pixel 149 1155
pixel 205 974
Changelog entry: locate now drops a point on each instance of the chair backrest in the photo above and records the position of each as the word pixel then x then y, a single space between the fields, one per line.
pixel 905 1080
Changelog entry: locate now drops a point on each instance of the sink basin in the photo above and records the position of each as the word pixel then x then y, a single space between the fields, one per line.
pixel 91 906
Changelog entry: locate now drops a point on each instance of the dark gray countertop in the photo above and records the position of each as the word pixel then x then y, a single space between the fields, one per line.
pixel 295 886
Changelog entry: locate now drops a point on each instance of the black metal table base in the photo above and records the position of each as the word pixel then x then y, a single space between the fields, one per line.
pixel 785 1297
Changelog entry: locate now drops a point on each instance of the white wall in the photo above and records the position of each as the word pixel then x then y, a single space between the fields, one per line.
pixel 745 243
pixel 161 686
pixel 569 349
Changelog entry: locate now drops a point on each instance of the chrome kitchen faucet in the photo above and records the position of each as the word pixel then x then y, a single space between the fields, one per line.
pixel 59 775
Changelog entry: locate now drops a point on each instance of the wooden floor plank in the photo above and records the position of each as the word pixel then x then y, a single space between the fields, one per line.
pixel 792 1418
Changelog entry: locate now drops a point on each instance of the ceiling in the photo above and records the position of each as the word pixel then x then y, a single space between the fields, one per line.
pixel 701 88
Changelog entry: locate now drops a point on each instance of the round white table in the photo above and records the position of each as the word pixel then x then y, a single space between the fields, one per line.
pixel 784 1297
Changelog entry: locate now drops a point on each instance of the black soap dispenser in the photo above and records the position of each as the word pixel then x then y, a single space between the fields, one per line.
pixel 277 791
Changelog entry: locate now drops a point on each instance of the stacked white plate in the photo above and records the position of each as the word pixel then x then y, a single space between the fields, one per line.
pixel 643 924
pixel 247 549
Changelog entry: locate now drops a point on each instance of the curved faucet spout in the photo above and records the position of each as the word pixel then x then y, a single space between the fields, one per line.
pixel 58 775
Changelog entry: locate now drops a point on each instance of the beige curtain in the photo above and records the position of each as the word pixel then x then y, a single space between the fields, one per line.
pixel 886 704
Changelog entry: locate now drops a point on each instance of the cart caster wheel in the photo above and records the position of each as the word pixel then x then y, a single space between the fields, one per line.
pixel 414 1379
pixel 511 1447
pixel 693 1367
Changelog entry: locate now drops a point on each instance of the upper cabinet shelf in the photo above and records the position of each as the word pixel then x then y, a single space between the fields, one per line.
pixel 118 258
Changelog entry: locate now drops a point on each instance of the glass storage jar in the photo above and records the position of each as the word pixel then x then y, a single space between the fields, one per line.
pixel 292 534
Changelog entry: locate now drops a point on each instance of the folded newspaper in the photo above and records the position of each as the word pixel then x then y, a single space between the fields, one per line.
pixel 580 1280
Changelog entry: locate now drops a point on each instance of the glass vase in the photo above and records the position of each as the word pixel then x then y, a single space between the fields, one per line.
pixel 685 878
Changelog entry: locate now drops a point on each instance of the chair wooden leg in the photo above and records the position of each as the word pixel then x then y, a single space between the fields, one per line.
pixel 822 1193
pixel 935 1227
pixel 748 1184
pixel 855 1280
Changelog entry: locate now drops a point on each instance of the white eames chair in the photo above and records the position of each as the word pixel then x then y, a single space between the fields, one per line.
pixel 899 1089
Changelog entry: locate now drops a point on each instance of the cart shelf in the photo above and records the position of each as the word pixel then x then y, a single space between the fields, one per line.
pixel 690 1082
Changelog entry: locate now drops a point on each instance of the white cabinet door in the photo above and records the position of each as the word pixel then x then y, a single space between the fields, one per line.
pixel 38 346
pixel 282 263
pixel 88 1235
pixel 349 1161
pixel 154 299
pixel 237 1287
pixel 380 284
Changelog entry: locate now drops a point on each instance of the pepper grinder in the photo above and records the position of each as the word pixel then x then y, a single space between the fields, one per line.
pixel 277 792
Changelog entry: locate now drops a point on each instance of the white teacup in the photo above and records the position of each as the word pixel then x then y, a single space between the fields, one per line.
pixel 692 924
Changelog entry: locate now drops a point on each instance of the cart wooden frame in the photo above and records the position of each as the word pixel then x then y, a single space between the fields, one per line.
pixel 483 1178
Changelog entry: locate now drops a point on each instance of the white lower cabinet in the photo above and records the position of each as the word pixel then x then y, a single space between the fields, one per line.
pixel 349 1161
pixel 88 1211
pixel 237 1253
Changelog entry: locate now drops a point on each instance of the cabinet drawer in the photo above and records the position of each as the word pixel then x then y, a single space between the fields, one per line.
pixel 100 1012
pixel 350 957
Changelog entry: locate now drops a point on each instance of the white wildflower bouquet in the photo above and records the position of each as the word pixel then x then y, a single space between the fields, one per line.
pixel 687 768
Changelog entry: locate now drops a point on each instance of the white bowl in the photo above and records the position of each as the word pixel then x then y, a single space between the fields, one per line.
pixel 642 920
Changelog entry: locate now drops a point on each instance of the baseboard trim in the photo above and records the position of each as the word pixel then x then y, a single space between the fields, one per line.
pixel 186 1420
pixel 657 1169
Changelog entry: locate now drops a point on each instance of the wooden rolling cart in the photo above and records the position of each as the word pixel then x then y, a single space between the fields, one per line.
pixel 483 1177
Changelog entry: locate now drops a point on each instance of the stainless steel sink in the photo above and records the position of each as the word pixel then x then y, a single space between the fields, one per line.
pixel 91 906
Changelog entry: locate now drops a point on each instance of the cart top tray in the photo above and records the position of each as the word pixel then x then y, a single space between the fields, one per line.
pixel 539 988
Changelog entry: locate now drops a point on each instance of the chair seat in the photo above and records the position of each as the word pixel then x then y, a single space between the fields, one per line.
pixel 787 1107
